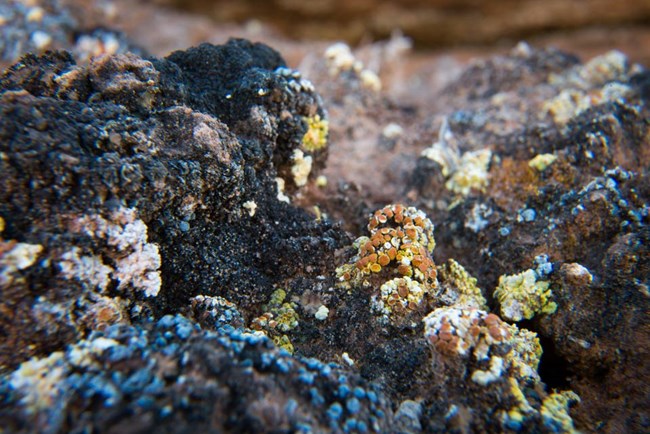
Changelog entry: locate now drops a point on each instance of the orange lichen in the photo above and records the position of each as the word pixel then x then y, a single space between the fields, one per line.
pixel 452 330
pixel 396 256
pixel 401 236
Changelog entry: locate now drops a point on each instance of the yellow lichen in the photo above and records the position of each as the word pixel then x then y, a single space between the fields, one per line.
pixel 522 296
pixel 542 161
pixel 2 225
pixel 471 173
pixel 555 411
pixel 370 80
pixel 454 276
pixel 525 354
pixel 315 138
pixel 321 181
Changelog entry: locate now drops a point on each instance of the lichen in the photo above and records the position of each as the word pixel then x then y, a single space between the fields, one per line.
pixel 472 172
pixel 279 317
pixel 370 80
pixel 485 377
pixel 215 310
pixel 465 172
pixel 522 296
pixel 398 296
pixel 340 60
pixel 542 161
pixel 458 331
pixel 134 262
pixel 396 256
pixel 315 138
pixel 322 313
pixel 85 268
pixel 281 196
pixel 251 207
pixel 15 256
pixel 566 105
pixel 461 332
pixel 37 381
pixel 301 167
pixel 555 411
pixel 459 286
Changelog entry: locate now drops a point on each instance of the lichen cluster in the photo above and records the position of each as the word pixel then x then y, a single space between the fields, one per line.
pixel 340 60
pixel 458 287
pixel 315 139
pixel 397 257
pixel 15 257
pixel 464 172
pixel 401 240
pixel 133 262
pixel 524 295
pixel 459 331
pixel 279 317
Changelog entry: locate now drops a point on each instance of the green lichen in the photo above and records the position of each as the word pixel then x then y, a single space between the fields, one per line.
pixel 522 296
pixel 315 138
pixel 283 342
pixel 279 317
pixel 278 296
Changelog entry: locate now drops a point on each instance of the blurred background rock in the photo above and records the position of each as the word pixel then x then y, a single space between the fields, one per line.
pixel 586 26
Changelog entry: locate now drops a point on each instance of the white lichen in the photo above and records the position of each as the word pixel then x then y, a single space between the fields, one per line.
pixel 251 207
pixel 281 196
pixel 494 373
pixel 88 269
pixel 135 261
pixel 37 381
pixel 301 167
pixel 14 257
pixel 339 58
pixel 322 313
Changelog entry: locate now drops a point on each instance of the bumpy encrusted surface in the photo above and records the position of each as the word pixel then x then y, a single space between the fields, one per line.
pixel 143 228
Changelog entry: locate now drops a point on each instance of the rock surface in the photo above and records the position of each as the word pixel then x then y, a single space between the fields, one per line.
pixel 172 258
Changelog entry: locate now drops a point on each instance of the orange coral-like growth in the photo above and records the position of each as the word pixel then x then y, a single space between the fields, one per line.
pixel 399 236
